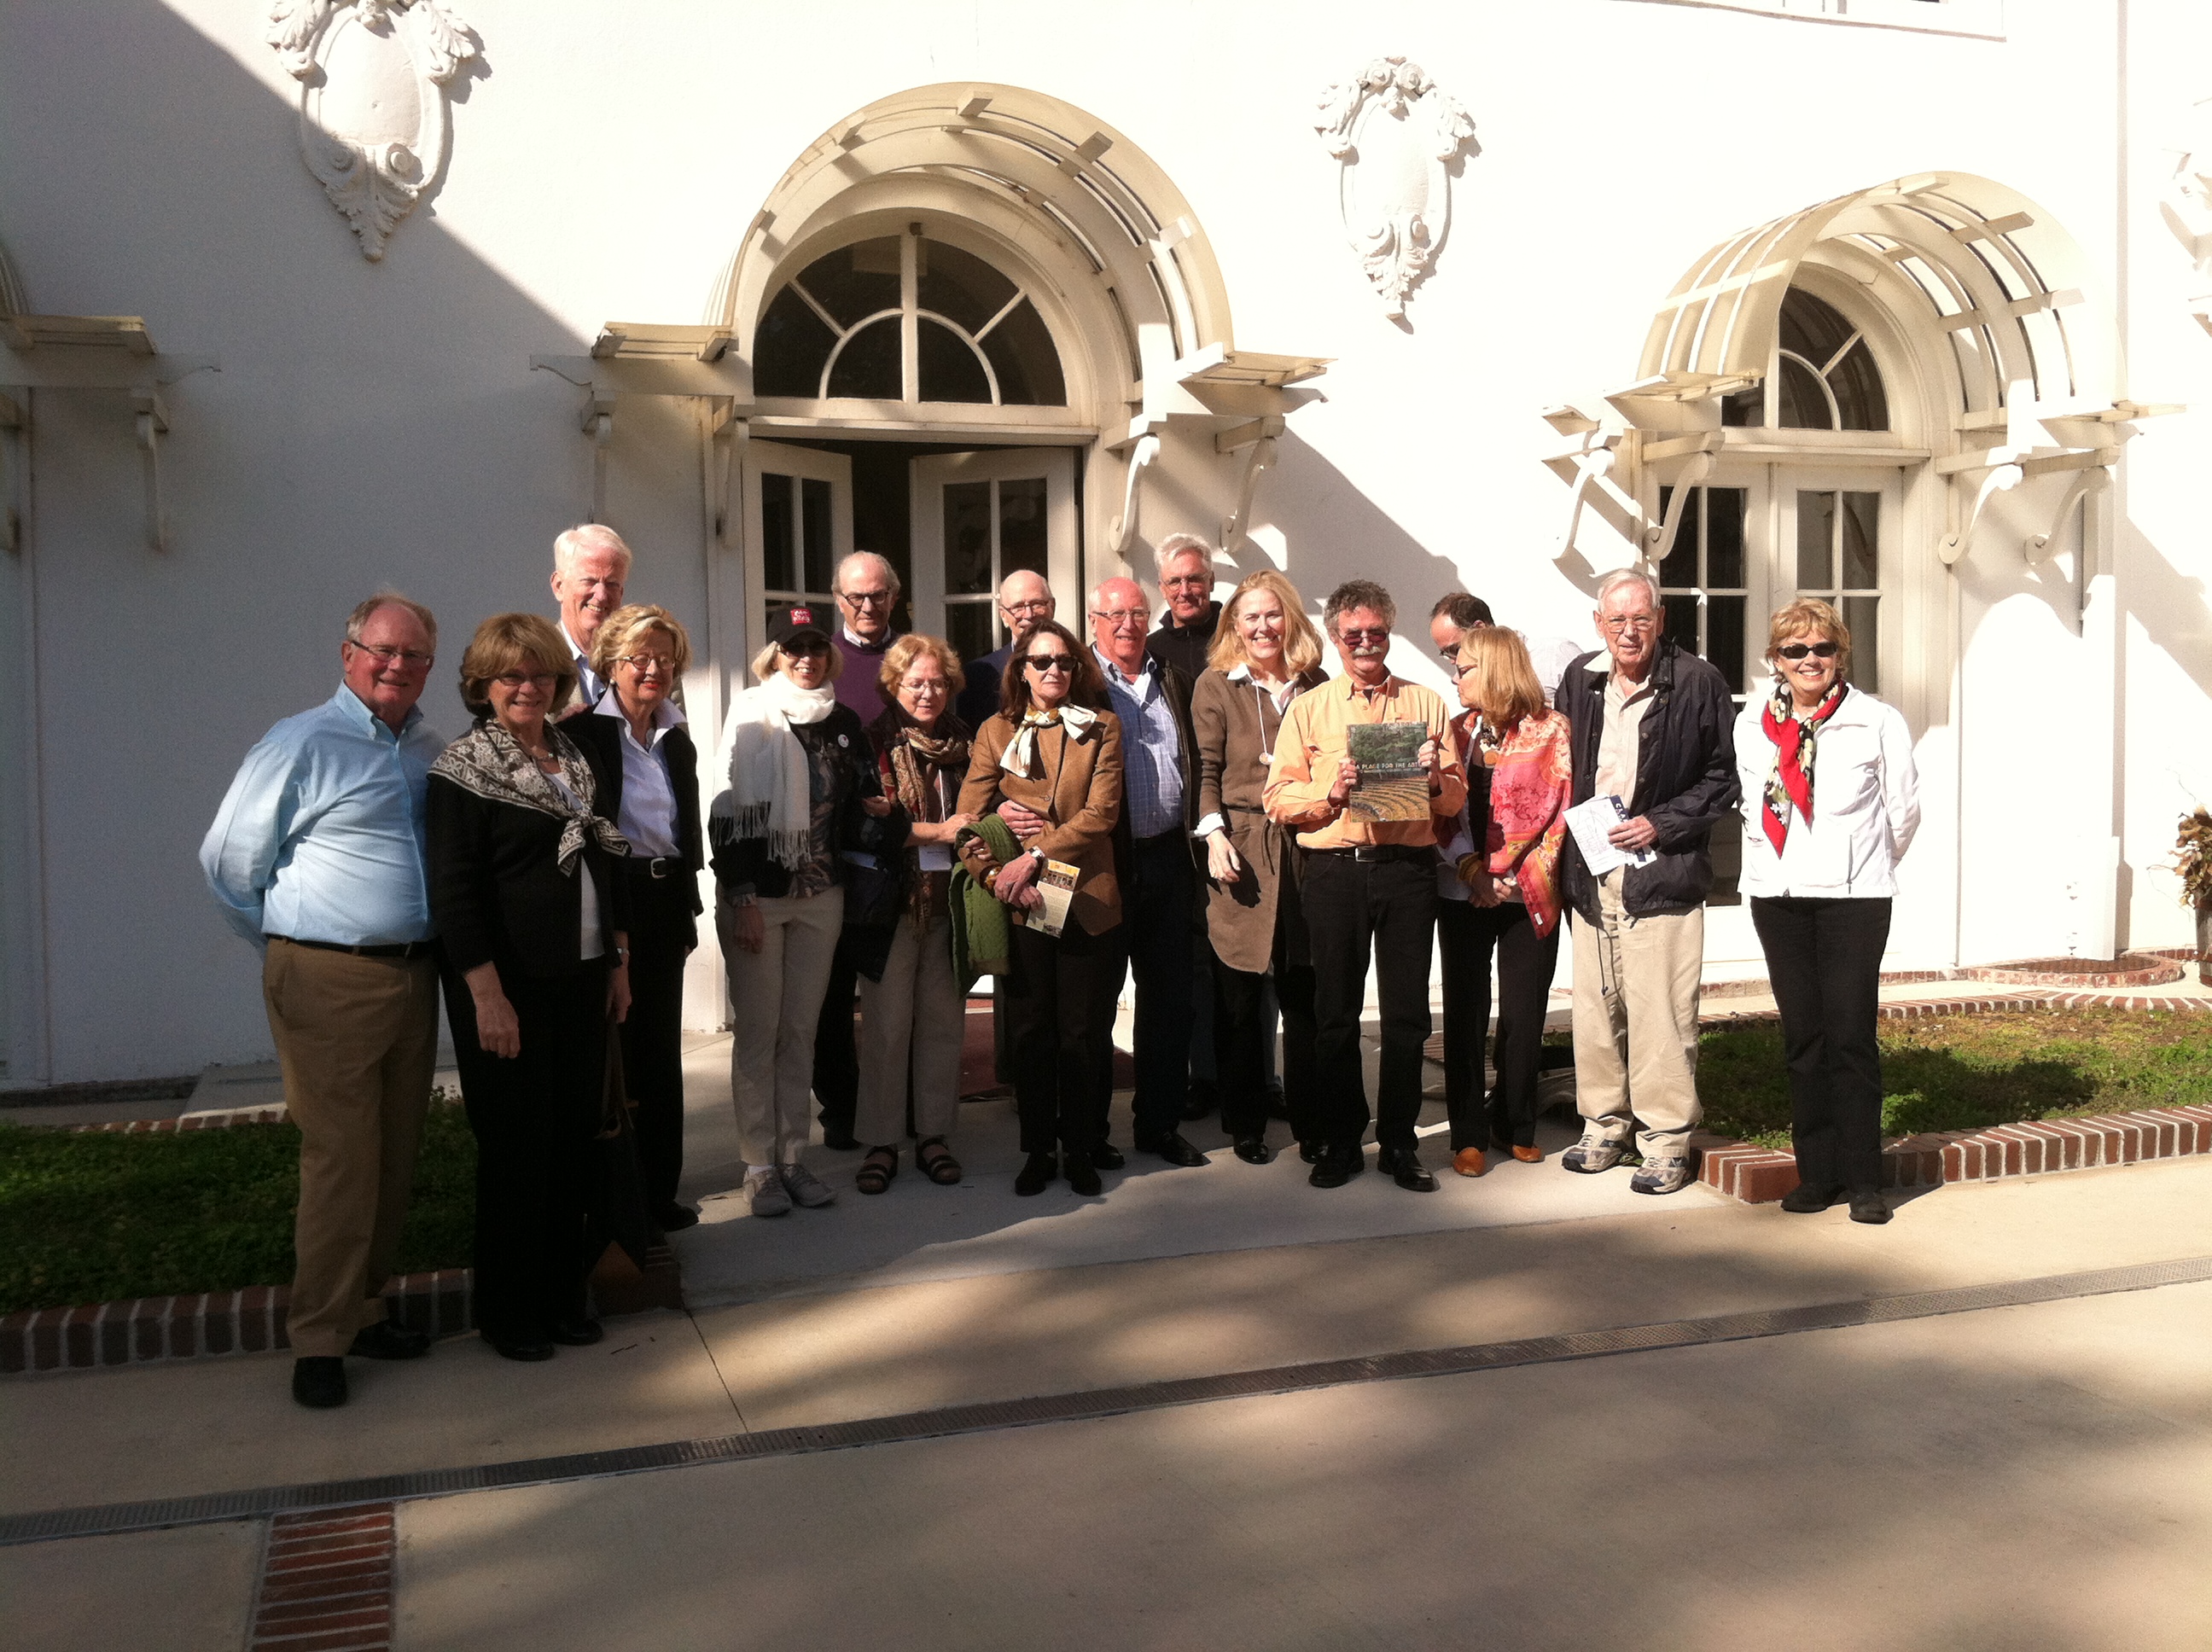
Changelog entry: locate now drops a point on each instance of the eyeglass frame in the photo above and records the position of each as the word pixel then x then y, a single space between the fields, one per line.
pixel 385 652
pixel 1049 662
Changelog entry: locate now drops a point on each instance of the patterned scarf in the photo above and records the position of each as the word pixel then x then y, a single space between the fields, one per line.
pixel 769 795
pixel 1795 739
pixel 914 765
pixel 1531 778
pixel 490 762
pixel 1020 757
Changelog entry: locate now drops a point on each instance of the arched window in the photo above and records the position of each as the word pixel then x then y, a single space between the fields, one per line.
pixel 904 318
pixel 1824 376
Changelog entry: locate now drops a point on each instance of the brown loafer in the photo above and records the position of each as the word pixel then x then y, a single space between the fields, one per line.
pixel 1469 1162
pixel 1529 1155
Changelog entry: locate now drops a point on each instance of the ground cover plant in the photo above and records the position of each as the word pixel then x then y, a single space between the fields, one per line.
pixel 1970 1072
pixel 88 1217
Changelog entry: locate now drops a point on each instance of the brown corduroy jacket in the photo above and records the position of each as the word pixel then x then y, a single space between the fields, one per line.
pixel 1079 791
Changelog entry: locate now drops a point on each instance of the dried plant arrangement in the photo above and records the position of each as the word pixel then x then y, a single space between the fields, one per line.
pixel 2192 858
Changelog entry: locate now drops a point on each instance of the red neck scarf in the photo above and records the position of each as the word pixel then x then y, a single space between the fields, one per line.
pixel 1794 738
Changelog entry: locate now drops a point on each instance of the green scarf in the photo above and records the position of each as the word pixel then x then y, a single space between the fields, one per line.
pixel 983 939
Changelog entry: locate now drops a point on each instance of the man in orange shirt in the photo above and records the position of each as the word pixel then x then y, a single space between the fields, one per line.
pixel 1367 885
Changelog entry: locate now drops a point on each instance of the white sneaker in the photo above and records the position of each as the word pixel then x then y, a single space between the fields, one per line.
pixel 805 1187
pixel 1594 1153
pixel 764 1191
pixel 1662 1176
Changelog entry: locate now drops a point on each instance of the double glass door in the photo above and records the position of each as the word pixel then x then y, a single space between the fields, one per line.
pixel 978 517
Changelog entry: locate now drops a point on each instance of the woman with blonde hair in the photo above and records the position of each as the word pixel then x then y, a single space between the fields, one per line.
pixel 1265 653
pixel 1500 889
pixel 800 786
pixel 1820 869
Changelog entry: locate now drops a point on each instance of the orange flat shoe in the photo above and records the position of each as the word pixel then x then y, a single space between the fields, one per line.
pixel 1469 1162
pixel 1529 1155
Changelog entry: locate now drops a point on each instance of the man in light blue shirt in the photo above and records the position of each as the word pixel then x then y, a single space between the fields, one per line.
pixel 317 857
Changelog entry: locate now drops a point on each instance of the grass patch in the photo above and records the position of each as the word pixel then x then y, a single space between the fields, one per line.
pixel 97 1217
pixel 1969 1072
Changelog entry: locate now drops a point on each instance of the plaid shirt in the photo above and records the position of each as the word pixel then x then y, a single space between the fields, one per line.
pixel 1151 749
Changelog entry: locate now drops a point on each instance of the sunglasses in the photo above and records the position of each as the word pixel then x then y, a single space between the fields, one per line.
pixel 1049 662
pixel 1799 650
pixel 1354 636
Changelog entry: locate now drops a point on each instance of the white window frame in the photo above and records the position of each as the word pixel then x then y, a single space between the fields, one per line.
pixel 1978 18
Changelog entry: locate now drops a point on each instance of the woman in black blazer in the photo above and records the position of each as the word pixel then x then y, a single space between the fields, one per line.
pixel 532 909
pixel 637 738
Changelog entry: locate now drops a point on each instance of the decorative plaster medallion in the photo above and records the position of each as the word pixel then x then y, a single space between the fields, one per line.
pixel 373 108
pixel 1396 134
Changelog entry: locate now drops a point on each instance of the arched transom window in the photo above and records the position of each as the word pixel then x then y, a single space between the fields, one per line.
pixel 905 319
pixel 1824 376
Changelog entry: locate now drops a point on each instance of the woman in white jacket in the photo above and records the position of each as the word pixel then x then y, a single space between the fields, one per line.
pixel 1831 801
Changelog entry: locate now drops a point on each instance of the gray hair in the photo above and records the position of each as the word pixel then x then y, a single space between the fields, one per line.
pixel 863 558
pixel 1623 576
pixel 1177 545
pixel 1358 593
pixel 357 622
pixel 589 536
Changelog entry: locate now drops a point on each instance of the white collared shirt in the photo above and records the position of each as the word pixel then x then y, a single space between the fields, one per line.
pixel 649 795
pixel 591 686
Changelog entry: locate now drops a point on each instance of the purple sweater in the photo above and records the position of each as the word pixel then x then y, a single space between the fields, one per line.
pixel 856 685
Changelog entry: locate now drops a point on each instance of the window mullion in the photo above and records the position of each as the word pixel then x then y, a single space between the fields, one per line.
pixel 910 319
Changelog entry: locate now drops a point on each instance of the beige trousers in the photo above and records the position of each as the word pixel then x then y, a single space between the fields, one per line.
pixel 357 1041
pixel 775 999
pixel 915 1010
pixel 1636 1023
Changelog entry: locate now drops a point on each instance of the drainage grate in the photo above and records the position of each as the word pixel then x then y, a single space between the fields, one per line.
pixel 1090 1404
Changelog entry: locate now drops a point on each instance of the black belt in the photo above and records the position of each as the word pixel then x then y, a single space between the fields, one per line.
pixel 402 949
pixel 1366 853
pixel 1157 838
pixel 663 866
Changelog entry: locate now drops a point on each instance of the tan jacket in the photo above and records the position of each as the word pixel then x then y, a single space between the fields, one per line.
pixel 1236 724
pixel 1079 790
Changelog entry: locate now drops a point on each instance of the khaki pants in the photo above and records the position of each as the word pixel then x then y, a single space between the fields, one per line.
pixel 776 1001
pixel 357 1040
pixel 1636 1023
pixel 915 1010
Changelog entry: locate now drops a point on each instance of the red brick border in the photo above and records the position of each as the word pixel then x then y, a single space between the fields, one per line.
pixel 325 1582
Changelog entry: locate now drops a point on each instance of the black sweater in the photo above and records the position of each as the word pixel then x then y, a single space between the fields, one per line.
pixel 742 862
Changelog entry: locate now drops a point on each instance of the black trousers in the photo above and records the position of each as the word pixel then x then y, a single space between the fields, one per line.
pixel 1240 1049
pixel 1466 938
pixel 662 933
pixel 1058 1003
pixel 535 1119
pixel 1353 909
pixel 1159 894
pixel 836 1054
pixel 1824 957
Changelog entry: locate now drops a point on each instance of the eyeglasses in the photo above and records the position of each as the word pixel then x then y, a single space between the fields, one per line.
pixel 1188 582
pixel 519 680
pixel 1120 616
pixel 648 662
pixel 1799 650
pixel 1041 605
pixel 1375 635
pixel 1049 662
pixel 1464 670
pixel 865 598
pixel 1618 622
pixel 407 657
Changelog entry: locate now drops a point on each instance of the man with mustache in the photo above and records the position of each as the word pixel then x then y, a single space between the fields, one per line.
pixel 1367 886
pixel 591 566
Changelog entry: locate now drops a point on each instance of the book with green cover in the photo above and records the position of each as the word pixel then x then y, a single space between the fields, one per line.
pixel 1393 783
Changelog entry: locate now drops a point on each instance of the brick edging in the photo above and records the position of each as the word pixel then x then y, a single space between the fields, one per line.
pixel 1760 1175
pixel 189 1327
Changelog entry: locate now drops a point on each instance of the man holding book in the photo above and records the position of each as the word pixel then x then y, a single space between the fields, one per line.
pixel 1367 853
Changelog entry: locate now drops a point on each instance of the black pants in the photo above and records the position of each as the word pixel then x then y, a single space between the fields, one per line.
pixel 1824 957
pixel 662 933
pixel 1059 1005
pixel 1353 908
pixel 1467 936
pixel 836 1056
pixel 535 1119
pixel 1239 1052
pixel 1159 890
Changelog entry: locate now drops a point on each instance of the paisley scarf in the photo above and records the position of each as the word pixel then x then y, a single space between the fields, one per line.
pixel 914 765
pixel 769 794
pixel 1795 739
pixel 1020 756
pixel 490 762
pixel 1531 776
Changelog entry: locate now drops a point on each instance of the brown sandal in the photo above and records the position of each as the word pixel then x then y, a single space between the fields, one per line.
pixel 877 1170
pixel 934 1160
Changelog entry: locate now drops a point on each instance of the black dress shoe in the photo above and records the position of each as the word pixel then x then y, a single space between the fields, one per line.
pixel 526 1348
pixel 1312 1151
pixel 1336 1166
pixel 1173 1149
pixel 1254 1150
pixel 1867 1206
pixel 385 1340
pixel 841 1141
pixel 1809 1196
pixel 580 1332
pixel 1105 1156
pixel 1403 1166
pixel 1037 1175
pixel 1202 1100
pixel 319 1382
pixel 674 1218
pixel 1082 1174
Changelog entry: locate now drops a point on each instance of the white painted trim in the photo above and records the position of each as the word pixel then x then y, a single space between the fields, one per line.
pixel 1979 20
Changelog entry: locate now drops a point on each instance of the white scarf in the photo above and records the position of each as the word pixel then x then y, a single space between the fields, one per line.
pixel 769 796
pixel 1020 756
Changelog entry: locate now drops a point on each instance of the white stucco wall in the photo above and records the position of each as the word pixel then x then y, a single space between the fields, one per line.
pixel 379 423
